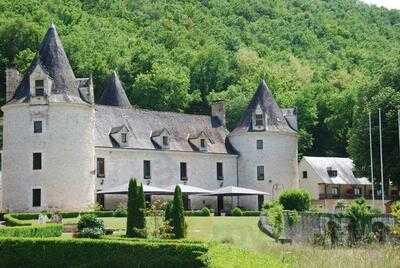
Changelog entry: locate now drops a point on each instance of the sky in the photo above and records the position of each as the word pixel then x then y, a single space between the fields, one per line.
pixel 391 4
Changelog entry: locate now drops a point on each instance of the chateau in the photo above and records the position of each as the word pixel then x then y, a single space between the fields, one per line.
pixel 60 147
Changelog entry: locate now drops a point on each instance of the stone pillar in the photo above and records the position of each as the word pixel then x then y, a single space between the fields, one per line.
pixel 13 78
pixel 218 111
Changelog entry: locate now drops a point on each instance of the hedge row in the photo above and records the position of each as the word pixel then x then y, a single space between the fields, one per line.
pixel 43 230
pixel 35 216
pixel 248 213
pixel 11 221
pixel 50 252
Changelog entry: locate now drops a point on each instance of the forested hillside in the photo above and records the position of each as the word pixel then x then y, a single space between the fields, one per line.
pixel 316 55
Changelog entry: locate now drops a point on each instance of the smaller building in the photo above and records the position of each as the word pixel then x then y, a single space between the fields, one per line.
pixel 330 179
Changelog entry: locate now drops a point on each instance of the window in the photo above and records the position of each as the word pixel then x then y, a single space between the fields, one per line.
pixel 202 143
pixel 37 161
pixel 220 171
pixel 259 120
pixel 100 168
pixel 36 197
pixel 37 127
pixel 165 140
pixel 123 137
pixel 260 173
pixel 39 88
pixel 357 191
pixel 332 173
pixel 335 191
pixel 305 175
pixel 260 144
pixel 1 160
pixel 183 171
pixel 146 169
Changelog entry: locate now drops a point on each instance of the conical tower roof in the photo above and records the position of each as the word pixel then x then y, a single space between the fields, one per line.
pixel 114 93
pixel 53 60
pixel 275 121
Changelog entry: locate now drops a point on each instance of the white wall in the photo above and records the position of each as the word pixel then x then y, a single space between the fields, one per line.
pixel 312 182
pixel 123 164
pixel 278 156
pixel 66 144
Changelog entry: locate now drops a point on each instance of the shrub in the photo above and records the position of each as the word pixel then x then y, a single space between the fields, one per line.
pixel 178 218
pixel 43 230
pixel 252 213
pixel 204 212
pixel 38 252
pixel 139 233
pixel 237 212
pixel 275 217
pixel 120 211
pixel 141 204
pixel 131 220
pixel 293 217
pixel 91 233
pixel 295 199
pixel 90 221
pixel 168 211
pixel 11 221
pixel 102 213
pixel 360 215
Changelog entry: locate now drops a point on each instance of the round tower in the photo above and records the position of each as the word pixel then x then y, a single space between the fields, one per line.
pixel 48 143
pixel 266 141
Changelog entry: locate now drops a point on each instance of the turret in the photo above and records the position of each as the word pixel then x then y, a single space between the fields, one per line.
pixel 267 145
pixel 48 147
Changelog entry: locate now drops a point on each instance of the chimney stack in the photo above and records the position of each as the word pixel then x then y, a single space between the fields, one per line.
pixel 13 78
pixel 218 111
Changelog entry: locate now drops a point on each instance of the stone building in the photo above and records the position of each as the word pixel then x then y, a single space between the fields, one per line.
pixel 60 147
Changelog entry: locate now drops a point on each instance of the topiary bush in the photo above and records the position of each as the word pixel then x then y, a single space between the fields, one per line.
pixel 120 211
pixel 237 212
pixel 295 199
pixel 90 226
pixel 204 212
pixel 42 230
pixel 131 221
pixel 178 218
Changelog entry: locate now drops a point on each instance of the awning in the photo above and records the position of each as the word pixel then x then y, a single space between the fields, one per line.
pixel 236 191
pixel 147 189
pixel 187 189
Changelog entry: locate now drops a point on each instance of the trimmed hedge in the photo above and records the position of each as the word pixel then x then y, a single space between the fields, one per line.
pixel 204 212
pixel 50 252
pixel 251 213
pixel 11 221
pixel 44 230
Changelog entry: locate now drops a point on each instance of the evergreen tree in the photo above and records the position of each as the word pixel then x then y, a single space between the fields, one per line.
pixel 178 218
pixel 168 211
pixel 131 220
pixel 141 208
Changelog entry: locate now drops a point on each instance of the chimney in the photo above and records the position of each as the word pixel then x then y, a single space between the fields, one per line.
pixel 13 78
pixel 218 111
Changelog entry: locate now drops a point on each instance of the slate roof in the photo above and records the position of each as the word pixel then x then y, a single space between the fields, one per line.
pixel 53 60
pixel 344 167
pixel 275 119
pixel 114 93
pixel 143 123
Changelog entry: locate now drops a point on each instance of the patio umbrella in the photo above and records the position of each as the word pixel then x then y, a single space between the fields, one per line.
pixel 188 190
pixel 147 189
pixel 236 191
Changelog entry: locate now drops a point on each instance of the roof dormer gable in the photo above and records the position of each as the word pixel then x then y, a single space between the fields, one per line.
pixel 120 135
pixel 200 141
pixel 259 119
pixel 40 82
pixel 161 138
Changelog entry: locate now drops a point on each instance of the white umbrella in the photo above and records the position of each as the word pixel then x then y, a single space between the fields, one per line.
pixel 147 189
pixel 187 189
pixel 236 191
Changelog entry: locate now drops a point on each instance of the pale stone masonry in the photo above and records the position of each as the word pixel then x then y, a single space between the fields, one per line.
pixel 60 147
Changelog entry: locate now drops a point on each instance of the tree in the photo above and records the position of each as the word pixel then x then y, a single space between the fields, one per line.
pixel 131 220
pixel 141 208
pixel 178 218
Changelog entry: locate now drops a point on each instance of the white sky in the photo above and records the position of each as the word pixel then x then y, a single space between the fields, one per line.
pixel 391 4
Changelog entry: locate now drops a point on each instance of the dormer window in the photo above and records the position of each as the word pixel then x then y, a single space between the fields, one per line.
pixel 123 137
pixel 165 141
pixel 259 120
pixel 332 173
pixel 39 87
pixel 203 143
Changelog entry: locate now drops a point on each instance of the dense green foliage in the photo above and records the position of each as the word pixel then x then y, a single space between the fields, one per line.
pixel 179 55
pixel 42 230
pixel 204 212
pixel 236 212
pixel 120 211
pixel 295 199
pixel 274 213
pixel 141 224
pixel 90 226
pixel 178 218
pixel 11 221
pixel 131 221
pixel 99 253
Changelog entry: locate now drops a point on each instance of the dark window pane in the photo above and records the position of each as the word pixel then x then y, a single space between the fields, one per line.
pixel 146 169
pixel 100 168
pixel 260 172
pixel 260 144
pixel 220 171
pixel 165 140
pixel 259 120
pixel 37 127
pixel 183 171
pixel 305 175
pixel 123 137
pixel 39 87
pixel 36 197
pixel 203 143
pixel 37 161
